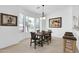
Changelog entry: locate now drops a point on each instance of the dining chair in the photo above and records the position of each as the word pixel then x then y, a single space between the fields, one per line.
pixel 48 37
pixel 34 39
pixel 38 30
pixel 45 37
pixel 49 31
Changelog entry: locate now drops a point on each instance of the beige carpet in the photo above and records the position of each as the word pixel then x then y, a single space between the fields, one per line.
pixel 56 46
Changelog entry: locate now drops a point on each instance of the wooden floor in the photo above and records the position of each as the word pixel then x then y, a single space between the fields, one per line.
pixel 56 46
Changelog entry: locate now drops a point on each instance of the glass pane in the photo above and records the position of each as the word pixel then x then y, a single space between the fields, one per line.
pixel 37 24
pixel 26 23
pixel 31 24
pixel 20 22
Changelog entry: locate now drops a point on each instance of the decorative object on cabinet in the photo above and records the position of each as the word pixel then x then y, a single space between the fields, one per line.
pixel 8 20
pixel 55 22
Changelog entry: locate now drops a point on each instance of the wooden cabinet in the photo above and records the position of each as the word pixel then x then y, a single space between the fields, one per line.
pixel 69 45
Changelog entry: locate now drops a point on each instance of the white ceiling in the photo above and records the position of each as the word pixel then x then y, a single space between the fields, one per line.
pixel 48 8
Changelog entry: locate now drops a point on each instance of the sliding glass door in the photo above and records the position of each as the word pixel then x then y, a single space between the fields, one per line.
pixel 28 24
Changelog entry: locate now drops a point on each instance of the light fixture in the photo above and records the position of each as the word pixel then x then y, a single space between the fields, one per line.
pixel 43 14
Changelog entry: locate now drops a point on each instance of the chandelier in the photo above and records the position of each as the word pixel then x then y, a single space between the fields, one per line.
pixel 43 13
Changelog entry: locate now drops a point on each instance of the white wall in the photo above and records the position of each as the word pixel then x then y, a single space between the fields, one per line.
pixel 66 14
pixel 75 12
pixel 10 35
pixel 67 17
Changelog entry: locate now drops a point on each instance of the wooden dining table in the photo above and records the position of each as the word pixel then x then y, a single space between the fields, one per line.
pixel 41 35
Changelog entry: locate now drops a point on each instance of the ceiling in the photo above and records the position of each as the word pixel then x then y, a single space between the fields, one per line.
pixel 48 8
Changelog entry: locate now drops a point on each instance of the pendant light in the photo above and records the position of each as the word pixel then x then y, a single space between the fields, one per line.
pixel 43 14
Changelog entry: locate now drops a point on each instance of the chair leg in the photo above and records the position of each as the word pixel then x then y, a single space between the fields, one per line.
pixel 41 43
pixel 50 40
pixel 35 44
pixel 31 42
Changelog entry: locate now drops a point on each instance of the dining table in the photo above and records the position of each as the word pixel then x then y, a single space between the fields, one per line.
pixel 41 36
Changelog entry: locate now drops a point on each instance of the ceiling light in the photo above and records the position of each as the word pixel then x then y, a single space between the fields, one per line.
pixel 43 14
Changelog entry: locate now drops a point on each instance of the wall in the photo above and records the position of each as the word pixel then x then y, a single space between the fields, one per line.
pixel 67 17
pixel 66 14
pixel 10 35
pixel 75 12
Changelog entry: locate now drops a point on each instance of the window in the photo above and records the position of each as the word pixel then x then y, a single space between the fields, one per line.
pixel 37 24
pixel 28 24
pixel 21 26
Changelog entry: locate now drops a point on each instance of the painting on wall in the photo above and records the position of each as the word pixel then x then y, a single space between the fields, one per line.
pixel 8 20
pixel 55 22
pixel 76 22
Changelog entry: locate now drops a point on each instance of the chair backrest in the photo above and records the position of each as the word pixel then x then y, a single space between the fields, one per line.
pixel 33 35
pixel 38 30
pixel 43 32
pixel 50 31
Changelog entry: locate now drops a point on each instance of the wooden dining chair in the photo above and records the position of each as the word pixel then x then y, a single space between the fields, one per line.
pixel 34 39
pixel 45 37
pixel 50 32
pixel 38 30
pixel 48 37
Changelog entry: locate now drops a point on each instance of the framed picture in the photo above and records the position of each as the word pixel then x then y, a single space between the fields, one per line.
pixel 55 22
pixel 76 22
pixel 8 20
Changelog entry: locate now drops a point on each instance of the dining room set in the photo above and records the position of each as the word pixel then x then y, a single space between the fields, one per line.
pixel 40 38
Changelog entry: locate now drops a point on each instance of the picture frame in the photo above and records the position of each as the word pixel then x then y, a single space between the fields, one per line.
pixel 75 23
pixel 55 22
pixel 8 20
